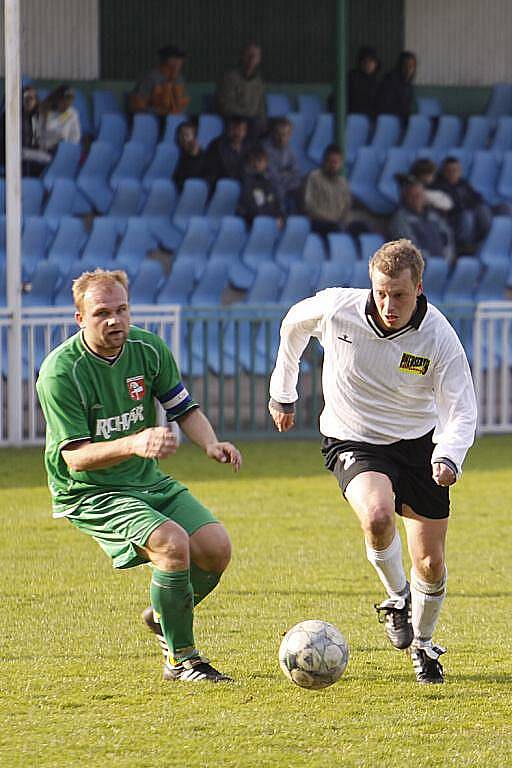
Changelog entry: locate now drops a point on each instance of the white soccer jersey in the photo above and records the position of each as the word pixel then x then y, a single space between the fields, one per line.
pixel 380 387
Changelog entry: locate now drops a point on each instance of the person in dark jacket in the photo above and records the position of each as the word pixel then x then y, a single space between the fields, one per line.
pixel 258 195
pixel 362 83
pixel 395 95
pixel 226 155
pixel 191 160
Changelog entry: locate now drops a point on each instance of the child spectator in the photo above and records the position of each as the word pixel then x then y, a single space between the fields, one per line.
pixel 258 196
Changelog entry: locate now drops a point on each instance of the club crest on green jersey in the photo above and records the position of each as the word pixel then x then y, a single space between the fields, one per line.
pixel 136 388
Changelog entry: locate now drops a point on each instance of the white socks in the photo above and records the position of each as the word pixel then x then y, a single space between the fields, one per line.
pixel 388 564
pixel 427 600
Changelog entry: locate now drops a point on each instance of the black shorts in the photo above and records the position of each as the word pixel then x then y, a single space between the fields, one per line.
pixel 407 463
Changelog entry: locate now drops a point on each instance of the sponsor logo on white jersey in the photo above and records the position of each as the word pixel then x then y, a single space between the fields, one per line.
pixel 121 423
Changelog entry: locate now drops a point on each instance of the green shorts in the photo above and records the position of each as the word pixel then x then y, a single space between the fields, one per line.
pixel 118 521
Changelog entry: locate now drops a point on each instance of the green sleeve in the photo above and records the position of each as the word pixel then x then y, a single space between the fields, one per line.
pixel 169 388
pixel 63 409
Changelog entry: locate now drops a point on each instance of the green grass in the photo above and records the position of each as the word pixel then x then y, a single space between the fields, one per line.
pixel 80 677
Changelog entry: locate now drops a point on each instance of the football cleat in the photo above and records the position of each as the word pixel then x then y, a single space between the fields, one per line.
pixel 395 614
pixel 194 670
pixel 148 617
pixel 426 664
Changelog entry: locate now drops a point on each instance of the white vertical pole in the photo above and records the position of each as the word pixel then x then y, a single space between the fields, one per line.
pixel 13 210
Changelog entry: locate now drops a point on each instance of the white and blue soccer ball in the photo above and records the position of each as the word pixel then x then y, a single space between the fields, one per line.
pixel 313 654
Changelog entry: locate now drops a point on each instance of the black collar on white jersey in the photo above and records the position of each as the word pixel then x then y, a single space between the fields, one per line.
pixel 415 321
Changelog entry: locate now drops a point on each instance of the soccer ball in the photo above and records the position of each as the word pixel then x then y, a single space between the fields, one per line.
pixel 313 654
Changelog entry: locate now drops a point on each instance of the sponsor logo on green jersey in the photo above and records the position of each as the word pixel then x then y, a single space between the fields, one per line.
pixel 121 423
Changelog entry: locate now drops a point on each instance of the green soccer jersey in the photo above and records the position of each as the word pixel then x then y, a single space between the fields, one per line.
pixel 84 396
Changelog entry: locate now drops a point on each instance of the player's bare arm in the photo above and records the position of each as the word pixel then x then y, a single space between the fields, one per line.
pixel 199 430
pixel 151 443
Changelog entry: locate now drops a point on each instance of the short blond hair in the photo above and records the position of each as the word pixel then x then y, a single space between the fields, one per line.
pixel 393 257
pixel 86 280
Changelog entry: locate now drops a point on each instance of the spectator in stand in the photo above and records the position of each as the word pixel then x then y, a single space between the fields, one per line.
pixel 241 91
pixel 283 167
pixel 327 197
pixel 191 160
pixel 395 95
pixel 362 83
pixel 424 170
pixel 61 121
pixel 418 222
pixel 258 195
pixel 34 159
pixel 226 155
pixel 162 89
pixel 470 216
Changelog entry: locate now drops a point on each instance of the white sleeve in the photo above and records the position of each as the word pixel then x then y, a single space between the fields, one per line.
pixel 303 321
pixel 456 403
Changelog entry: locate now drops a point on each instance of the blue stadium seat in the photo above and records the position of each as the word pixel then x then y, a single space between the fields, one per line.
pixel 211 284
pixel 158 209
pixel 477 133
pixel 113 131
pixel 34 243
pixel 357 134
pixel 448 133
pixel 103 102
pixel 223 202
pixel 310 105
pixel 162 165
pixel 492 284
pixel 131 164
pixel 333 274
pixel 322 136
pixel 145 130
pixel 398 160
pixel 484 175
pixel 502 139
pixel 64 297
pixel 172 123
pixel 360 277
pixel 259 247
pixel 429 106
pixel 44 282
pixel 299 283
pixel 64 164
pixel 61 202
pixel 387 133
pixel 343 252
pixel 364 180
pixel 369 242
pixel 265 286
pixel 417 134
pixel 504 186
pixel 136 243
pixel 92 179
pixel 230 239
pixel 434 280
pixel 462 283
pixel 31 196
pixel 291 243
pixel 148 282
pixel 102 242
pixel 68 243
pixel 298 141
pixel 278 104
pixel 209 127
pixel 500 101
pixel 191 202
pixel 179 285
pixel 82 106
pixel 314 252
pixel 196 243
pixel 498 242
pixel 127 201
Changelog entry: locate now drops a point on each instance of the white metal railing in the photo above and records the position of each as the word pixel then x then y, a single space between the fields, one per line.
pixel 492 365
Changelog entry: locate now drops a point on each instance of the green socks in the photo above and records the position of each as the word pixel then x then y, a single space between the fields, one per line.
pixel 172 598
pixel 202 582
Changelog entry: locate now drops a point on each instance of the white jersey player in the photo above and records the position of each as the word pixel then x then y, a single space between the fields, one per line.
pixel 399 417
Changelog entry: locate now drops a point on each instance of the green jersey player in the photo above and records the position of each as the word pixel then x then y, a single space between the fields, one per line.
pixel 97 391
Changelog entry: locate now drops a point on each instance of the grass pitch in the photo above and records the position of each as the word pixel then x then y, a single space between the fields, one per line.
pixel 80 677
